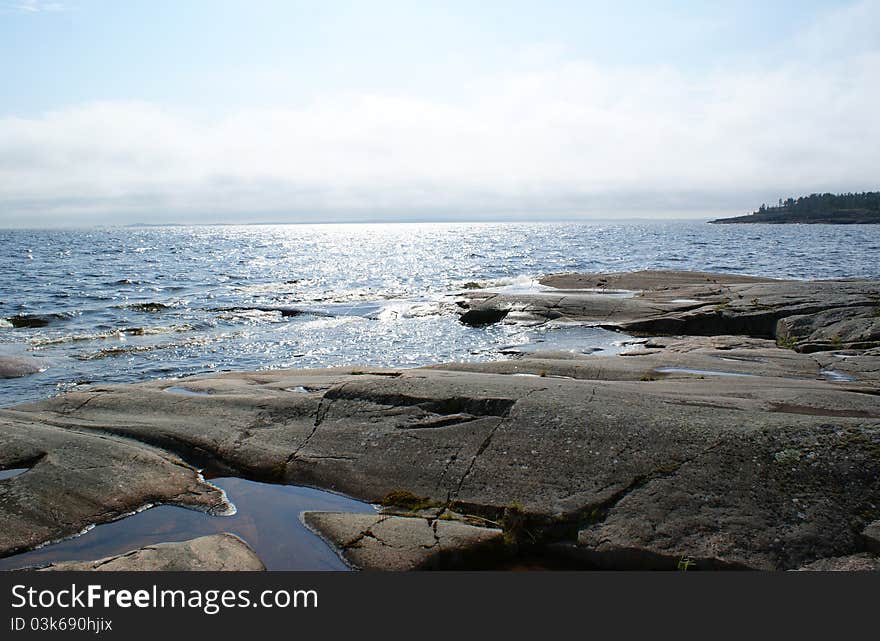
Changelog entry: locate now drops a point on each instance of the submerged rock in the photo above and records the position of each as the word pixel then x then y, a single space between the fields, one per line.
pixel 33 320
pixel 218 552
pixel 479 317
pixel 18 366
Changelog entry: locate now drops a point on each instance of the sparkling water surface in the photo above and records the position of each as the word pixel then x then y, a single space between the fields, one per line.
pixel 130 304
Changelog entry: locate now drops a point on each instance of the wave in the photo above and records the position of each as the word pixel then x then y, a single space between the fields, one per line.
pixel 120 333
pixel 522 284
pixel 408 309
pixel 284 310
pixel 137 349
pixel 150 307
pixel 329 323
pixel 35 320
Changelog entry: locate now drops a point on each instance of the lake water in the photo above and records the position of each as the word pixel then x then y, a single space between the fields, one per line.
pixel 129 304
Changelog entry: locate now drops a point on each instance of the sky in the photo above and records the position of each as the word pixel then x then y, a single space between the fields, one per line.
pixel 288 111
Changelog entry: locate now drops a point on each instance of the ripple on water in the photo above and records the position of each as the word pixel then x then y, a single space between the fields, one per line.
pixel 371 295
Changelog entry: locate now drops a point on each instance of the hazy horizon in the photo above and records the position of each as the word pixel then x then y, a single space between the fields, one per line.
pixel 463 219
pixel 285 112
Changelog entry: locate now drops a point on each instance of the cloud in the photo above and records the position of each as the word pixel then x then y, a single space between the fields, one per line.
pixel 563 139
pixel 35 6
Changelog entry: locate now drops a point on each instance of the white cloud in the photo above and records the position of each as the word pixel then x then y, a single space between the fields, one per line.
pixel 35 6
pixel 564 139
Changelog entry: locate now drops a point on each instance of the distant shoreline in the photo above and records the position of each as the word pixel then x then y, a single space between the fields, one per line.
pixel 816 209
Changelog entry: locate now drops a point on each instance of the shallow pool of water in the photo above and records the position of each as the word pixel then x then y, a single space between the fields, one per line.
pixel 8 474
pixel 267 518
pixel 579 339
pixel 186 391
pixel 698 372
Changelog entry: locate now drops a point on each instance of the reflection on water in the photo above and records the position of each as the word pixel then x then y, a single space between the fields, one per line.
pixel 123 305
pixel 267 518
pixel 578 339
pixel 8 474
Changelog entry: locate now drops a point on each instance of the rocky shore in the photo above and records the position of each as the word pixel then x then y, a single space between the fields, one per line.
pixel 219 552
pixel 738 429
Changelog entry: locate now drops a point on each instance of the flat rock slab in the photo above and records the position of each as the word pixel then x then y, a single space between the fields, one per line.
pixel 740 471
pixel 656 280
pixel 77 478
pixel 218 552
pixel 398 543
pixel 809 316
pixel 705 356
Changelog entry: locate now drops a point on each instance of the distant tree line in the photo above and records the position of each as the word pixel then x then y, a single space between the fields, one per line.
pixel 868 201
pixel 830 209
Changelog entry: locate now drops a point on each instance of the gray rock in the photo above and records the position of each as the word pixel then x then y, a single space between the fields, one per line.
pixel 851 563
pixel 681 466
pixel 830 314
pixel 31 320
pixel 17 366
pixel 78 477
pixel 397 543
pixel 656 280
pixel 218 552
pixel 841 328
pixel 482 316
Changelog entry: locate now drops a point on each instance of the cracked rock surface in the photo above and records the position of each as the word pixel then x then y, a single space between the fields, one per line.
pixel 398 543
